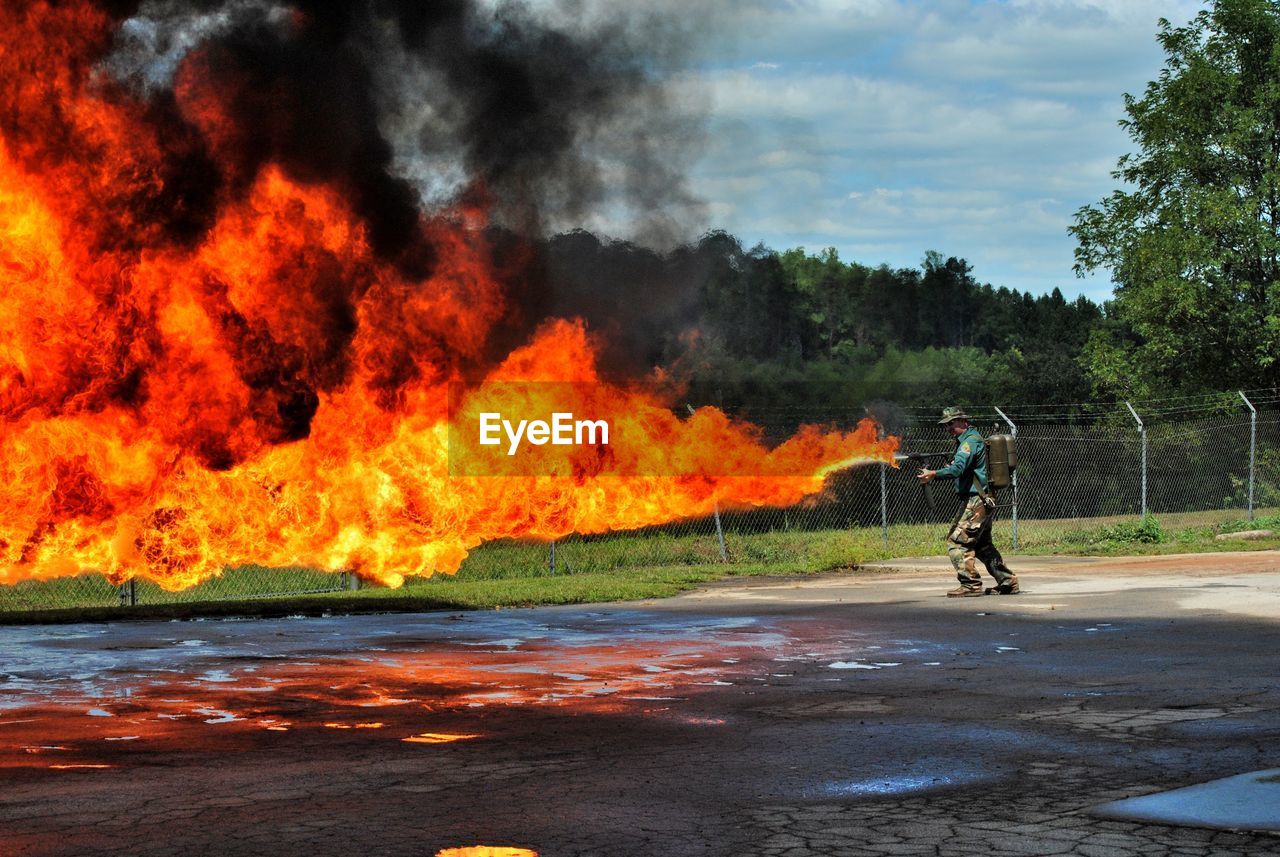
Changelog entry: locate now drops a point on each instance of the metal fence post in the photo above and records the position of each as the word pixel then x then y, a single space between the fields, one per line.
pixel 1253 445
pixel 1143 430
pixel 553 557
pixel 1013 430
pixel 724 549
pixel 884 504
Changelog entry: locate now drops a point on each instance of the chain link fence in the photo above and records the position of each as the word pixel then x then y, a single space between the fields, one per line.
pixel 1081 472
pixel 234 584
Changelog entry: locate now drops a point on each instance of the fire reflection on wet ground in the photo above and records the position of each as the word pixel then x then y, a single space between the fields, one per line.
pixel 439 738
pixel 92 697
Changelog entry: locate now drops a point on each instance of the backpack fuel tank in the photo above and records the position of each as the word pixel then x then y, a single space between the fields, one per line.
pixel 1002 460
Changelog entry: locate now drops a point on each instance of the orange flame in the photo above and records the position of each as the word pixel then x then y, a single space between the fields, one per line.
pixel 439 738
pixel 150 389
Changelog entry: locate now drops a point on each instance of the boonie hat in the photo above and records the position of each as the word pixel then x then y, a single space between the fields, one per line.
pixel 949 414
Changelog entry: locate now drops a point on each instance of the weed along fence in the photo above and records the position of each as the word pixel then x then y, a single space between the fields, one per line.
pixel 1087 476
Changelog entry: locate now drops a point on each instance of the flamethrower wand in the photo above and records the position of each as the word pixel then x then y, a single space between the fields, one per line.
pixel 921 458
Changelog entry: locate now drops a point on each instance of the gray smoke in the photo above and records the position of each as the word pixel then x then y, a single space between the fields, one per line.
pixel 151 44
pixel 561 115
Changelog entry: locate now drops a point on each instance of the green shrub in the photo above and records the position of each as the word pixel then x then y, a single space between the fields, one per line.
pixel 1145 532
pixel 1262 522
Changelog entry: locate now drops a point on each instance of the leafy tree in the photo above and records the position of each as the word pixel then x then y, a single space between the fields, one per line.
pixel 945 310
pixel 1192 240
pixel 829 291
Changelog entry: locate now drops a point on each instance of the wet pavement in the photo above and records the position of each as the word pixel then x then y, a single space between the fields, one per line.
pixel 842 715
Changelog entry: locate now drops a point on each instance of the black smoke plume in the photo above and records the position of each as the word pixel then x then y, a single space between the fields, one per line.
pixel 405 105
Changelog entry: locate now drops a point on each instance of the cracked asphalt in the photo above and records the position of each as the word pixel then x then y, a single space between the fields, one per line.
pixel 860 714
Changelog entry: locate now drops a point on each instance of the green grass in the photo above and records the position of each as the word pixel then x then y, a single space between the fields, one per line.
pixel 1171 533
pixel 615 568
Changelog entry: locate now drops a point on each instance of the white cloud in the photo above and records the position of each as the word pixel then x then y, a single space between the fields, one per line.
pixel 890 127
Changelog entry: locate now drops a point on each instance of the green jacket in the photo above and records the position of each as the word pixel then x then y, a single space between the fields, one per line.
pixel 969 466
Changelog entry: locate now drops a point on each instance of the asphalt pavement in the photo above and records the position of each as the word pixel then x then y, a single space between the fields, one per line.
pixel 858 714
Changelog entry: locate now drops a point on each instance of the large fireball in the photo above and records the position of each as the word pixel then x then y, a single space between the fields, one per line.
pixel 211 355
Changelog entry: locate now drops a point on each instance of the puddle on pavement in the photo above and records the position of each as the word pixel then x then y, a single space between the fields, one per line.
pixel 897 784
pixel 110 693
pixel 1225 728
pixel 891 786
pixel 486 851
pixel 103 699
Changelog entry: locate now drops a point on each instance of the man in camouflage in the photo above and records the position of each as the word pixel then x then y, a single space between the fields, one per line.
pixel 970 538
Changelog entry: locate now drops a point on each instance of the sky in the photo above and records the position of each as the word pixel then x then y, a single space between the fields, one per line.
pixel 882 128
pixel 887 128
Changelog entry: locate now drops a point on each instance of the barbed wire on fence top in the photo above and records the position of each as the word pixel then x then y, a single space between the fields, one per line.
pixel 1169 408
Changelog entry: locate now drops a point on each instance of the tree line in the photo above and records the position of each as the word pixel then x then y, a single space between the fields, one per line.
pixel 773 334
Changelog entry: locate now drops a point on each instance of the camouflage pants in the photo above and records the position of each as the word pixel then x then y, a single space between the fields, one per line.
pixel 969 542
